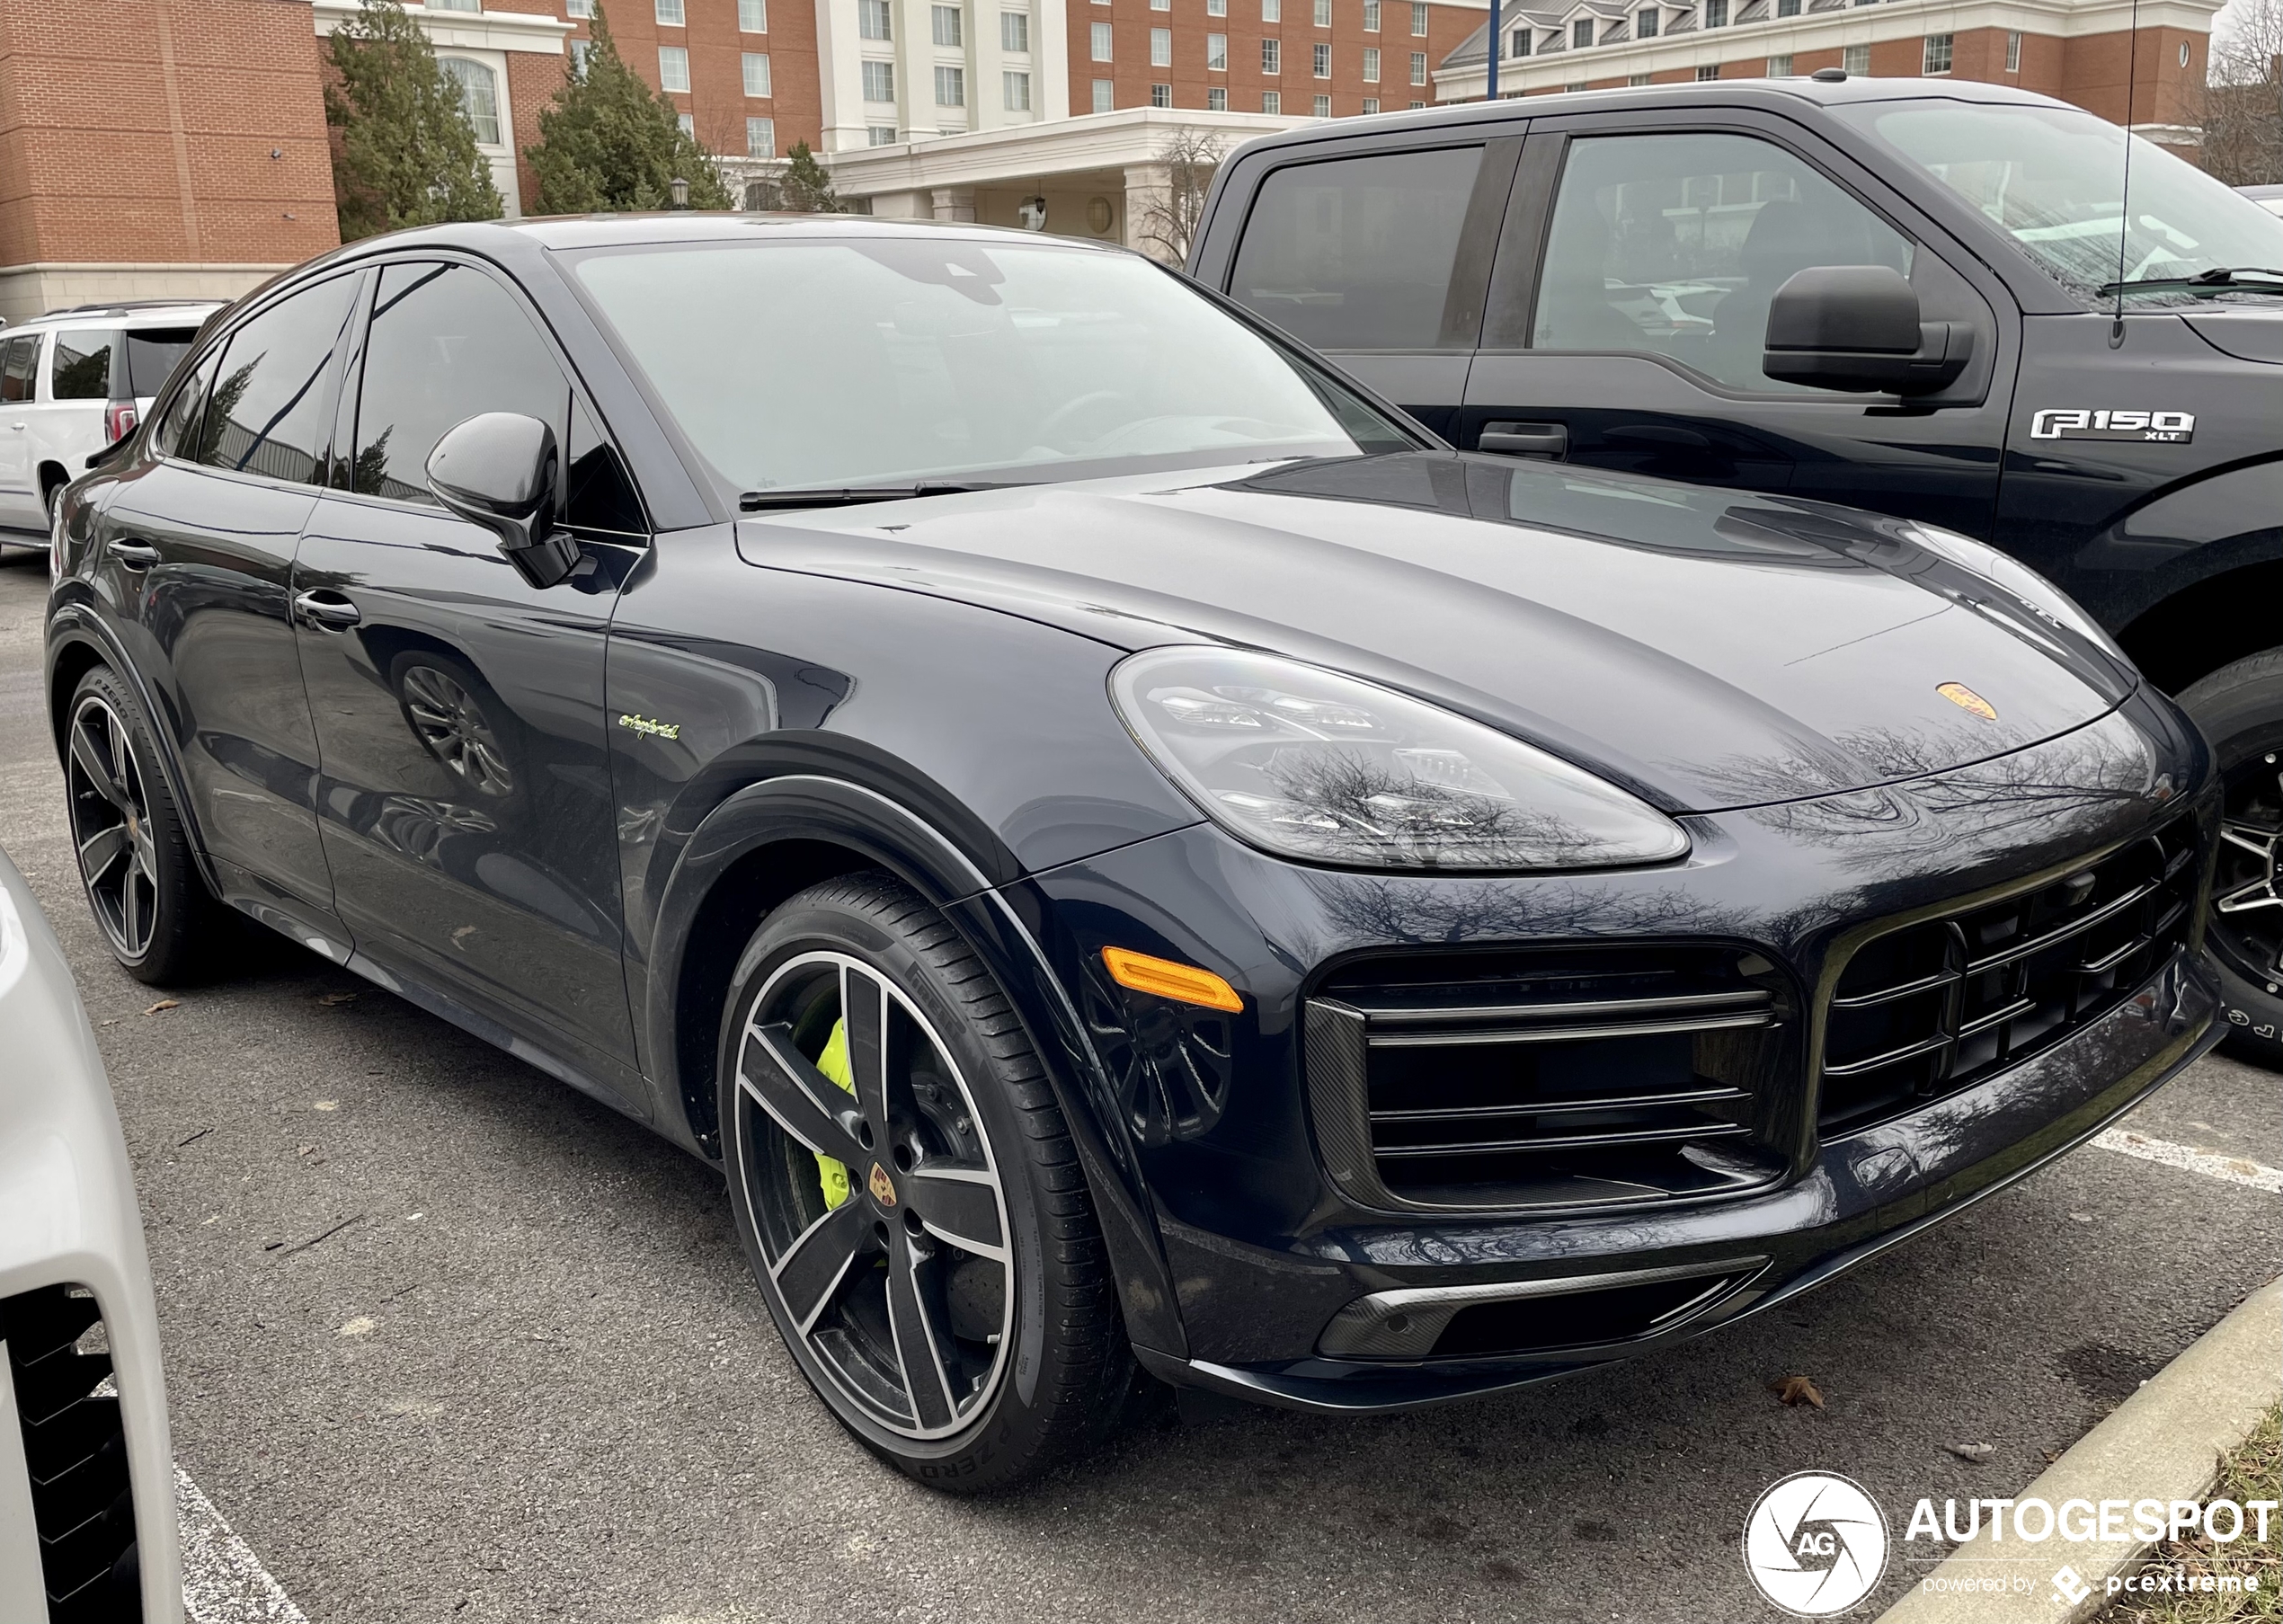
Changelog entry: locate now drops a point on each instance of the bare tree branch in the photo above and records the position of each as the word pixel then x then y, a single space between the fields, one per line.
pixel 1189 157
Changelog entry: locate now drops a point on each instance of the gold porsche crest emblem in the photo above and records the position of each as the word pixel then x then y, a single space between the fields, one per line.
pixel 1967 699
pixel 884 1189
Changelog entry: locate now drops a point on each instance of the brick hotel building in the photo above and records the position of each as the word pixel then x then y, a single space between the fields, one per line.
pixel 173 147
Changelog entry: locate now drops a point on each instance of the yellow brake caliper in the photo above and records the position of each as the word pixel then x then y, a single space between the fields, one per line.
pixel 831 1174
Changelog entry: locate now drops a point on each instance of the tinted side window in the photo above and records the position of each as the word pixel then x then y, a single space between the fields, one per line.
pixel 1674 245
pixel 81 368
pixel 272 403
pixel 176 431
pixel 19 367
pixel 447 344
pixel 151 355
pixel 1356 254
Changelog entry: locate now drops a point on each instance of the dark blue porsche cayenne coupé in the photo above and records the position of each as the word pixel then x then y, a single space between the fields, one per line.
pixel 1136 860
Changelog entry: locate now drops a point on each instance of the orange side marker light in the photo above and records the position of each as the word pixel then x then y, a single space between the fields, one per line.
pixel 1183 983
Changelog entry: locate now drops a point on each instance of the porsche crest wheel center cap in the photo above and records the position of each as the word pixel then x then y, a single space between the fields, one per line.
pixel 882 1187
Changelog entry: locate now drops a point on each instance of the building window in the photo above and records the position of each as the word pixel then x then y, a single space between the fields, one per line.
pixel 1518 42
pixel 1271 57
pixel 578 49
pixel 1855 60
pixel 756 65
pixel 1161 95
pixel 1323 14
pixel 881 135
pixel 1160 47
pixel 1101 38
pixel 1271 11
pixel 760 138
pixel 1780 67
pixel 1105 97
pixel 1371 65
pixel 1370 105
pixel 1638 79
pixel 2013 54
pixel 669 13
pixel 1323 107
pixel 879 81
pixel 458 5
pixel 948 23
pixel 688 124
pixel 1271 102
pixel 1418 67
pixel 1713 72
pixel 1787 8
pixel 1217 53
pixel 2186 51
pixel 479 96
pixel 1581 33
pixel 951 87
pixel 1715 13
pixel 673 68
pixel 1015 31
pixel 1216 8
pixel 1323 61
pixel 1217 99
pixel 1418 19
pixel 752 16
pixel 1415 106
pixel 872 20
pixel 581 9
pixel 1575 85
pixel 1644 23
pixel 1014 90
pixel 1937 58
pixel 1370 16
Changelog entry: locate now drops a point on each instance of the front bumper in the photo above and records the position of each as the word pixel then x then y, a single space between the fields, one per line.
pixel 1289 1286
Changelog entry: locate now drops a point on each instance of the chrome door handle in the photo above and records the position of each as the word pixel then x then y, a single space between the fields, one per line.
pixel 134 555
pixel 328 610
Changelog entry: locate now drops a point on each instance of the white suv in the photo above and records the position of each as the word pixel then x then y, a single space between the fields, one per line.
pixel 72 382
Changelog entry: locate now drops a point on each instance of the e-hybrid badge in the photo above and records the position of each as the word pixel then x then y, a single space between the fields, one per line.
pixel 2075 423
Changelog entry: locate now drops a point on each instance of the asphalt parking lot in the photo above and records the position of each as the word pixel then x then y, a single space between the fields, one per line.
pixel 447 1340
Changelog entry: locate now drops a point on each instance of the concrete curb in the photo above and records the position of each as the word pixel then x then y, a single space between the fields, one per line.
pixel 2163 1443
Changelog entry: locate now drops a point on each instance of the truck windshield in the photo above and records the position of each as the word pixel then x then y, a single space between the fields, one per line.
pixel 2053 179
pixel 877 360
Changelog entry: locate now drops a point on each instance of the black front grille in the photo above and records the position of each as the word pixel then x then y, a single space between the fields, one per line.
pixel 1562 1078
pixel 1937 1006
pixel 75 1449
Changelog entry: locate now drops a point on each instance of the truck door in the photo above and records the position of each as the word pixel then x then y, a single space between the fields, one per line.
pixel 1628 308
pixel 1378 257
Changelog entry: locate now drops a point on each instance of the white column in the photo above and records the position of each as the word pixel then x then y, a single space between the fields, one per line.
pixel 840 79
pixel 1050 60
pixel 955 203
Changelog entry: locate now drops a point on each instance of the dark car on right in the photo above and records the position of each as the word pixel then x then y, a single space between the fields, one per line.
pixel 1915 296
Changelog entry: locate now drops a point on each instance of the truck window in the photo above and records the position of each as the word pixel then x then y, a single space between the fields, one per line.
pixel 1355 253
pixel 1674 245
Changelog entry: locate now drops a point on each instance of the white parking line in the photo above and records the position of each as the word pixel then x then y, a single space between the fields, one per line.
pixel 223 1581
pixel 2234 1169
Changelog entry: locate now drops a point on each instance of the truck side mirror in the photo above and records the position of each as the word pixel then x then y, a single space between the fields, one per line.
pixel 499 471
pixel 1857 328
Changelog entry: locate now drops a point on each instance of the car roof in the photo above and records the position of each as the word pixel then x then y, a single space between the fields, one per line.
pixel 689 226
pixel 1786 96
pixel 130 312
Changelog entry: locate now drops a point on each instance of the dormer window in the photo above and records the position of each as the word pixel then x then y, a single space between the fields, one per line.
pixel 1519 44
pixel 1581 33
pixel 1644 23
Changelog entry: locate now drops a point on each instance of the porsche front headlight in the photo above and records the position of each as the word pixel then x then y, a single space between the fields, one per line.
pixel 1310 764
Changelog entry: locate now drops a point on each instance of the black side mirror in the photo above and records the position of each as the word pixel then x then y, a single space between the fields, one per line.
pixel 1856 328
pixel 499 471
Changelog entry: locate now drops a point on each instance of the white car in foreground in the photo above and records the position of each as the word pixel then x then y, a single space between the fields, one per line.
pixel 87 1526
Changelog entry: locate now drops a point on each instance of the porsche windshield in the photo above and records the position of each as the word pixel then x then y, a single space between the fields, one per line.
pixel 811 362
pixel 2053 179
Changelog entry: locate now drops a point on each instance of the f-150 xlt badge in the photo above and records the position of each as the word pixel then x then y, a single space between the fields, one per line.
pixel 2075 423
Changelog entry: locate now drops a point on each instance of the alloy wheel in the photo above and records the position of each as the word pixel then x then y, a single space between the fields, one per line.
pixel 2247 885
pixel 451 722
pixel 902 1289
pixel 111 826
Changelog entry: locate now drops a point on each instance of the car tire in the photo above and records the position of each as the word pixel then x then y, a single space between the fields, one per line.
pixel 2240 708
pixel 142 881
pixel 869 1283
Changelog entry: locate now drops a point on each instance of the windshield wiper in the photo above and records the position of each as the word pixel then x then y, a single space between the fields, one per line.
pixel 848 496
pixel 2220 278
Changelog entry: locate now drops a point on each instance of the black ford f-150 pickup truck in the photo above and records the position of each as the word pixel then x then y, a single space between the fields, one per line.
pixel 1922 297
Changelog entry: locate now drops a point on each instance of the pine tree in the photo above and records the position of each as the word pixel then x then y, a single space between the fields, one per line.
pixel 611 143
pixel 804 188
pixel 403 153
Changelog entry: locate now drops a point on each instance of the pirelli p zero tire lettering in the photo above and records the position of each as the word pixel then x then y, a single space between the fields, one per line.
pixel 908 1193
pixel 2240 708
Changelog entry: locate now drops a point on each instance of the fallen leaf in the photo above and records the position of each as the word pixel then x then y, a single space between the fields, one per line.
pixel 359 1327
pixel 1796 1391
pixel 163 1004
pixel 1972 1451
pixel 334 1000
pixel 325 1104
